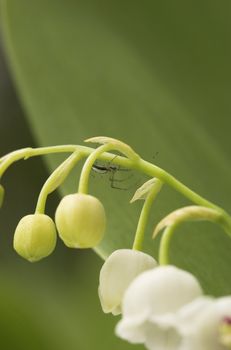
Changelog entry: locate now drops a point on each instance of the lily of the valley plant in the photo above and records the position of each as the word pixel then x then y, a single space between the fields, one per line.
pixel 161 306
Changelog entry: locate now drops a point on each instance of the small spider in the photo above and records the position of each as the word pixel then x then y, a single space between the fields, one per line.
pixel 111 170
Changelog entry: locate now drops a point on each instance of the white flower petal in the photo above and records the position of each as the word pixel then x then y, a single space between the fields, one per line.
pixel 202 333
pixel 118 271
pixel 150 304
pixel 133 329
pixel 159 335
pixel 188 315
pixel 161 338
pixel 161 290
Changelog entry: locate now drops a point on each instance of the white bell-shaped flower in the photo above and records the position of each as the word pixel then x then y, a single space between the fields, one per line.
pixel 208 328
pixel 174 331
pixel 150 304
pixel 118 271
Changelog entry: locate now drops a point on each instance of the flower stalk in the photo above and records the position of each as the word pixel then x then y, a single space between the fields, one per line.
pixel 172 221
pixel 130 160
pixel 56 179
pixel 108 145
pixel 143 219
pixel 140 165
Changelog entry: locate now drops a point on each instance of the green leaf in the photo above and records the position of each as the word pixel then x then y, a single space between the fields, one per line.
pixel 158 78
pixel 46 305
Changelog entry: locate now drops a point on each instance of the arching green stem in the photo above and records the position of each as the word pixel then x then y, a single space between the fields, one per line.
pixel 143 219
pixel 137 164
pixel 140 165
pixel 2 193
pixel 85 173
pixel 12 157
pixel 153 170
pixel 56 179
pixel 176 218
pixel 26 153
pixel 165 244
pixel 111 145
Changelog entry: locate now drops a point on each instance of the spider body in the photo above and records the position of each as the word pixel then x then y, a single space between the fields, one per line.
pixel 111 170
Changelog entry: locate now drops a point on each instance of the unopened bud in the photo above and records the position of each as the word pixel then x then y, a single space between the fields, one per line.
pixel 35 237
pixel 80 220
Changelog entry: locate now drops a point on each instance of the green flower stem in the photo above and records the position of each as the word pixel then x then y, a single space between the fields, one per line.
pixel 2 193
pixel 56 179
pixel 151 169
pixel 142 223
pixel 154 171
pixel 85 173
pixel 26 153
pixel 179 216
pixel 12 157
pixel 139 165
pixel 111 144
pixel 164 245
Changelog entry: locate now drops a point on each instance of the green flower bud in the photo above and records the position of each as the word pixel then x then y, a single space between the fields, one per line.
pixel 80 220
pixel 35 237
pixel 2 193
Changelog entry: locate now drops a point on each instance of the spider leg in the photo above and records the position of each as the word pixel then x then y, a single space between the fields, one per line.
pixel 113 181
pixel 121 180
pixel 122 169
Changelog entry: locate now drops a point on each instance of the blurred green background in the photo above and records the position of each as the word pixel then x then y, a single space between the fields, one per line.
pixel 52 304
pixel 154 74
